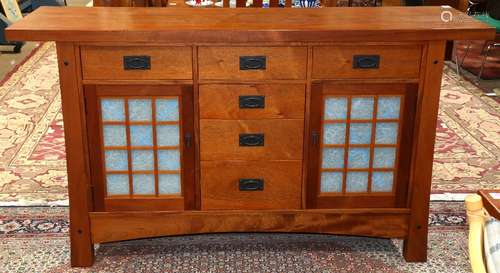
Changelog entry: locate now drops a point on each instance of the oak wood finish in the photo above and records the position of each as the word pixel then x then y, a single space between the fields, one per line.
pixel 490 204
pixel 224 63
pixel 308 55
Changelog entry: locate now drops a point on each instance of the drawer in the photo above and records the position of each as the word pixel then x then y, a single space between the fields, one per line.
pixel 251 185
pixel 339 62
pixel 136 63
pixel 252 63
pixel 251 139
pixel 238 101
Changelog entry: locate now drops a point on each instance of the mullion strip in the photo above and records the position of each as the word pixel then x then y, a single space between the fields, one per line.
pixel 129 153
pixel 346 145
pixel 155 144
pixel 372 142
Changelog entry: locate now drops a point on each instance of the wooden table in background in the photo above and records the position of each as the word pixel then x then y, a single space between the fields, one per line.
pixel 491 203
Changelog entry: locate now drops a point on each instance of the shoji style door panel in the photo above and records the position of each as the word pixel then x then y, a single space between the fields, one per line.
pixel 360 149
pixel 141 146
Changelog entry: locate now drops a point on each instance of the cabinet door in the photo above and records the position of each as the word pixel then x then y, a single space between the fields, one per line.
pixel 141 146
pixel 361 143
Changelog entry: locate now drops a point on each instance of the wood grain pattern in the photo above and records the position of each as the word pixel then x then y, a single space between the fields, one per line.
pixel 221 101
pixel 107 63
pixel 282 139
pixel 109 227
pixel 490 204
pixel 161 203
pixel 220 185
pixel 401 61
pixel 172 25
pixel 224 63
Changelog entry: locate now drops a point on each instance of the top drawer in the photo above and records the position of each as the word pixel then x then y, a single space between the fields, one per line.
pixel 252 63
pixel 136 63
pixel 386 61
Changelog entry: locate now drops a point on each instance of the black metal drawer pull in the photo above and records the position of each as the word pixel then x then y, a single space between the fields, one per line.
pixel 252 102
pixel 251 184
pixel 251 139
pixel 136 62
pixel 252 62
pixel 366 61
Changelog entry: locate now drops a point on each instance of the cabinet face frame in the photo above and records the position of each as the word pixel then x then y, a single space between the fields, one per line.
pixel 395 199
pixel 183 201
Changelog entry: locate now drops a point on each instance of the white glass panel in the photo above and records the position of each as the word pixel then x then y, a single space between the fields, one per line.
pixel 358 158
pixel 144 183
pixel 169 184
pixel 169 160
pixel 333 158
pixel 384 157
pixel 117 184
pixel 167 135
pixel 386 133
pixel 331 181
pixel 142 160
pixel 360 133
pixel 139 109
pixel 382 181
pixel 334 133
pixel 167 110
pixel 388 107
pixel 114 135
pixel 116 160
pixel 113 109
pixel 335 108
pixel 357 182
pixel 141 135
pixel 362 108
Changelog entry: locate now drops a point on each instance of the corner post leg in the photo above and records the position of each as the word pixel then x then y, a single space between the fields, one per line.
pixel 415 244
pixel 82 250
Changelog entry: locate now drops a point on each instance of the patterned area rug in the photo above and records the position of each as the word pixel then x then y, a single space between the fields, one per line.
pixel 35 240
pixel 32 165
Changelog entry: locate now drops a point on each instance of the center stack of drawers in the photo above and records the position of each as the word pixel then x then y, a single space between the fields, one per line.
pixel 251 102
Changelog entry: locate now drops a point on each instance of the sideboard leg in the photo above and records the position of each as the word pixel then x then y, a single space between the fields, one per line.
pixel 415 244
pixel 80 200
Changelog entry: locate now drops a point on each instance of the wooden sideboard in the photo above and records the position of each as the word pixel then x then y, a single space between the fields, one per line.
pixel 186 121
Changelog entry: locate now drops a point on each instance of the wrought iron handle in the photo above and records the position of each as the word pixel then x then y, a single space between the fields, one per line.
pixel 187 139
pixel 252 62
pixel 251 139
pixel 136 62
pixel 366 61
pixel 251 184
pixel 252 102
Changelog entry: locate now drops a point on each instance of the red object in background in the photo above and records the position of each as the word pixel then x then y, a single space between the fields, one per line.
pixel 198 2
pixel 475 57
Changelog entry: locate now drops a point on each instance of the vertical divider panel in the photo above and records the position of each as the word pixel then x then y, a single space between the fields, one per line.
pixel 155 144
pixel 129 152
pixel 372 142
pixel 346 143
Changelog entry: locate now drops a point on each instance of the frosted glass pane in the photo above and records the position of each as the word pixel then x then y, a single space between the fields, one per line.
pixel 141 135
pixel 334 133
pixel 169 184
pixel 113 109
pixel 144 183
pixel 388 107
pixel 382 181
pixel 167 110
pixel 331 181
pixel 114 135
pixel 384 157
pixel 386 133
pixel 335 108
pixel 169 160
pixel 360 133
pixel 356 182
pixel 117 184
pixel 362 108
pixel 139 109
pixel 358 158
pixel 116 160
pixel 142 160
pixel 333 158
pixel 168 135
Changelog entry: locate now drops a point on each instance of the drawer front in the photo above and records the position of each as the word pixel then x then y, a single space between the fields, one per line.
pixel 238 101
pixel 251 185
pixel 398 61
pixel 136 63
pixel 252 63
pixel 251 139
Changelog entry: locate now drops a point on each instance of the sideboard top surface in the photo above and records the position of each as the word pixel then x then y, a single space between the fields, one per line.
pixel 190 25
